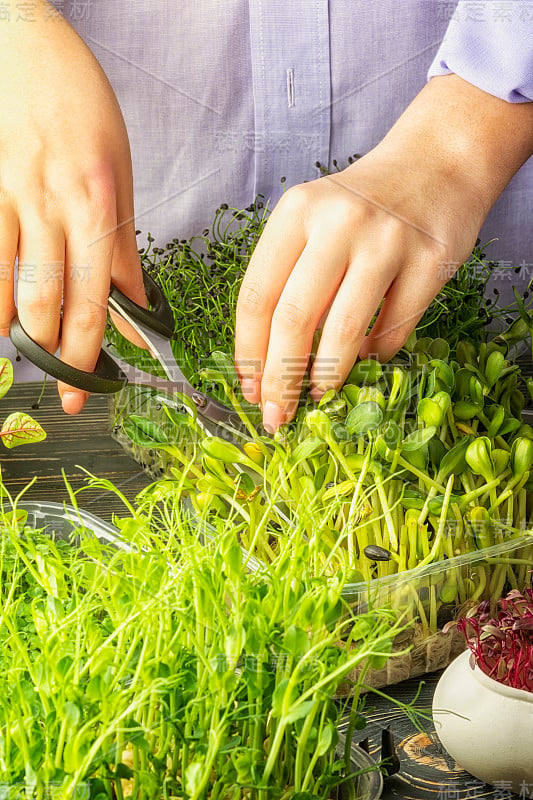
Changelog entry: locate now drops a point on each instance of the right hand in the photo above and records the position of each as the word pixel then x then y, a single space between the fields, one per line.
pixel 66 194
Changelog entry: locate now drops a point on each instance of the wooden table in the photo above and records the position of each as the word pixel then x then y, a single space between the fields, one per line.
pixel 72 444
pixel 84 441
pixel 427 771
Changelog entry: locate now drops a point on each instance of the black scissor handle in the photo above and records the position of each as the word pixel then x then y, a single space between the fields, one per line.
pixel 107 377
pixel 158 317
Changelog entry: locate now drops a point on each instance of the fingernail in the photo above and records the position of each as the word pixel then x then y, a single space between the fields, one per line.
pixel 73 402
pixel 273 416
pixel 250 390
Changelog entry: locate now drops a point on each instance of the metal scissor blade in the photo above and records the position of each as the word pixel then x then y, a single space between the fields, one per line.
pixel 158 345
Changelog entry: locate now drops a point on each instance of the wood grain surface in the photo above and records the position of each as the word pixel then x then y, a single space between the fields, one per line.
pixel 72 444
pixel 427 772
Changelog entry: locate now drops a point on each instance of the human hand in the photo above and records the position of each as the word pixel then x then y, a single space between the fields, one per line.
pixel 393 225
pixel 66 198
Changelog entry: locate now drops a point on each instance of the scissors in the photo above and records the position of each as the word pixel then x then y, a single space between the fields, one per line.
pixel 155 325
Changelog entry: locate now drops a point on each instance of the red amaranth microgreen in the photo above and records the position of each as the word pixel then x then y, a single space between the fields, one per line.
pixel 502 644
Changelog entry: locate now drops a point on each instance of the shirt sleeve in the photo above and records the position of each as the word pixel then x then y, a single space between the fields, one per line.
pixel 489 43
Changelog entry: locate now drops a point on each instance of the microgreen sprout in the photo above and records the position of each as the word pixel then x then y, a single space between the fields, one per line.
pixel 501 643
pixel 159 667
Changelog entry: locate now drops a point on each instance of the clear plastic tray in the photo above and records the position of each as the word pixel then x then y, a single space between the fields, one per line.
pixel 418 594
pixel 61 520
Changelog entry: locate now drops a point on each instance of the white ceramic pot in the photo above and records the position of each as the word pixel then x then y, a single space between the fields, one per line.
pixel 485 726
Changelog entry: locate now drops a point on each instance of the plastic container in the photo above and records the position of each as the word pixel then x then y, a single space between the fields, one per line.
pixel 369 783
pixel 417 594
pixel 424 596
pixel 60 521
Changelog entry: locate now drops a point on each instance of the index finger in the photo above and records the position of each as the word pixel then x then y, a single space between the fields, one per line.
pixel 274 257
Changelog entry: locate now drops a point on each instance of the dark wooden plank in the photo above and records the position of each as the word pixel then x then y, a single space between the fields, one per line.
pixel 72 444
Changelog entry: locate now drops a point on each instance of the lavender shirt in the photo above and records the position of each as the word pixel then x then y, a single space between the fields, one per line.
pixel 223 98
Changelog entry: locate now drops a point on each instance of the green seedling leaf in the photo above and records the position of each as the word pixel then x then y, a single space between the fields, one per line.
pixel 76 748
pixel 278 697
pixel 364 418
pixel 193 777
pixel 430 386
pixel 439 349
pixel 462 383
pixel 437 451
pixel 123 772
pixel 340 432
pixel 398 388
pixel 516 332
pixel 296 641
pixel 419 457
pixel 372 394
pixel 366 371
pixel 10 518
pixel 436 503
pixel 493 367
pixel 448 591
pixel 501 460
pixel 453 462
pixel 354 576
pixel 383 449
pixel 328 739
pixel 299 711
pixel 422 345
pixel 379 662
pixel 479 457
pixel 517 402
pixel 481 526
pixel 412 499
pixel 525 430
pixel 356 461
pixel 418 439
pixel 179 419
pixel 466 353
pixel 327 397
pixel 6 375
pixel 521 459
pixel 233 560
pixel 430 412
pixel 509 425
pixel 477 395
pixel 351 393
pixel 72 713
pixel 318 423
pixel 224 364
pixel 444 377
pixel 144 432
pixel 496 415
pixel 465 409
pixel 320 476
pixel 19 428
pixel 245 483
pixel 226 452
